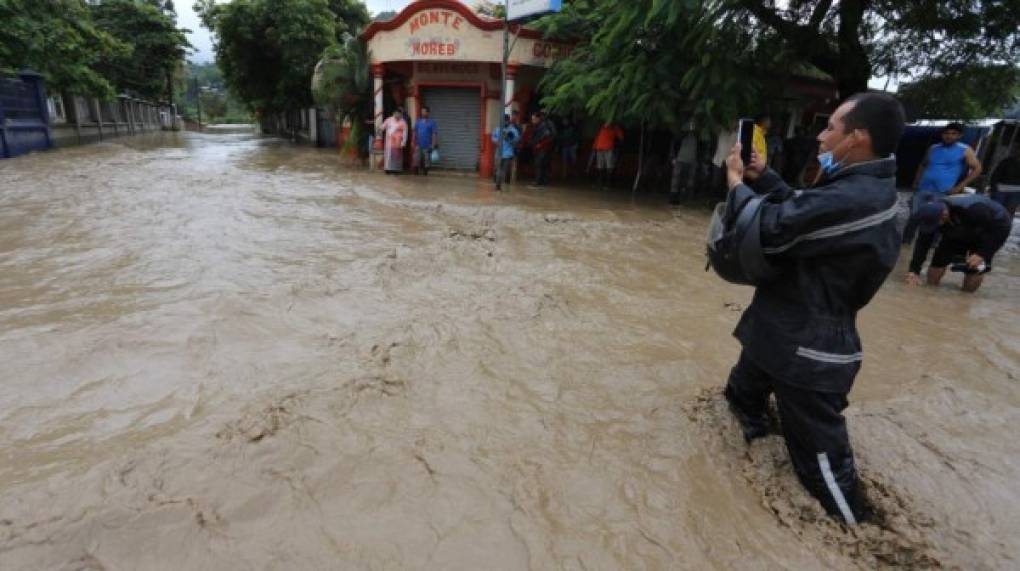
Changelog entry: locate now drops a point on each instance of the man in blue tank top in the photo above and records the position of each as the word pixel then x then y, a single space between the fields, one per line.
pixel 942 173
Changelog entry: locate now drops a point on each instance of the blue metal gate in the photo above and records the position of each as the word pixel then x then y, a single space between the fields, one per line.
pixel 24 118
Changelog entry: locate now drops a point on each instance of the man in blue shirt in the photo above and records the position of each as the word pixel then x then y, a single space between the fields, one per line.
pixel 424 141
pixel 942 173
pixel 506 147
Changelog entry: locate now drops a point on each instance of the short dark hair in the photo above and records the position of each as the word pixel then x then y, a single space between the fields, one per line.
pixel 958 127
pixel 881 116
pixel 426 108
pixel 761 117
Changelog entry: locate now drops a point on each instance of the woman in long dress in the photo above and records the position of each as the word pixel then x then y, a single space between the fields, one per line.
pixel 395 139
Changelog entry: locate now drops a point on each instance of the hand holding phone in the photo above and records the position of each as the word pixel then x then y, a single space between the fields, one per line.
pixel 745 135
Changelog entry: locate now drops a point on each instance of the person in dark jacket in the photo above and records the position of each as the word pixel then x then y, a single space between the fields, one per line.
pixel 832 245
pixel 542 140
pixel 972 227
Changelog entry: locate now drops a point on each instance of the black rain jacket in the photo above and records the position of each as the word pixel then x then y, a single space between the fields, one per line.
pixel 834 245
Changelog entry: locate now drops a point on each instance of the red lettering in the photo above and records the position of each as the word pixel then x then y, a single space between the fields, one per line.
pixel 442 49
pixel 423 19
pixel 433 17
pixel 414 26
pixel 446 18
pixel 456 23
pixel 451 49
pixel 416 48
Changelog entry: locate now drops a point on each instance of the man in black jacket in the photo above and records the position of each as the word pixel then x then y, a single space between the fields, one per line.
pixel 973 228
pixel 833 245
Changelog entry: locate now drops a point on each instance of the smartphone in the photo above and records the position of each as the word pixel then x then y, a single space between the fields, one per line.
pixel 745 134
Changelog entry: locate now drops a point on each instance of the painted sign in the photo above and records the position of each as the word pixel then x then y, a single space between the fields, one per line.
pixel 432 19
pixel 433 47
pixel 517 9
pixel 447 68
pixel 549 50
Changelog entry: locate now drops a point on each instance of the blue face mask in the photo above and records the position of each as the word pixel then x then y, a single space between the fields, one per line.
pixel 828 163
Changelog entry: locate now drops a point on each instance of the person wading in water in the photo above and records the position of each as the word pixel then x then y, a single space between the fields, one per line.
pixel 831 247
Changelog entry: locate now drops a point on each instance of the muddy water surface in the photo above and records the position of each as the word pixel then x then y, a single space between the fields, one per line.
pixel 221 352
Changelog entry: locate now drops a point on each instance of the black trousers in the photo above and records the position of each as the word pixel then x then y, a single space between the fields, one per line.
pixel 815 433
pixel 542 160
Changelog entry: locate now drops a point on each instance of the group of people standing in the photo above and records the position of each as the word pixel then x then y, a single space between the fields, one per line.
pixel 395 134
pixel 542 138
pixel 965 230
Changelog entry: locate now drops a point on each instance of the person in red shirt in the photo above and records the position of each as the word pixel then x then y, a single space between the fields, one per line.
pixel 605 151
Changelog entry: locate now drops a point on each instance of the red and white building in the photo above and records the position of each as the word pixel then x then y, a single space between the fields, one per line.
pixel 442 54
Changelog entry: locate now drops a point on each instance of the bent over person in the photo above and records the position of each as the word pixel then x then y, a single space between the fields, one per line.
pixel 830 248
pixel 972 229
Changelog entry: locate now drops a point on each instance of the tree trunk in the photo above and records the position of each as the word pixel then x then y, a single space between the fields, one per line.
pixel 854 68
pixel 640 161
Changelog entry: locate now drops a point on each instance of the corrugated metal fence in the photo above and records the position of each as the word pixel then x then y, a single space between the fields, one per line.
pixel 24 119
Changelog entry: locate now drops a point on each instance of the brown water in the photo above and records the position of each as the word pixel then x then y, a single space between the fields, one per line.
pixel 221 352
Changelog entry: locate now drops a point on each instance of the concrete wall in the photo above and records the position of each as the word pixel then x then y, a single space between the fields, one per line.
pixel 299 125
pixel 82 120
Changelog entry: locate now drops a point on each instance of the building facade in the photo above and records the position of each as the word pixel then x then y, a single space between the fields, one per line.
pixel 441 54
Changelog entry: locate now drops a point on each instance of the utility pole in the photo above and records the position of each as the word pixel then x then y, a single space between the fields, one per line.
pixel 504 114
pixel 198 101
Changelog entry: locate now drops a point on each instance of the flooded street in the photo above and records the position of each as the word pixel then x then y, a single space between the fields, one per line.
pixel 225 352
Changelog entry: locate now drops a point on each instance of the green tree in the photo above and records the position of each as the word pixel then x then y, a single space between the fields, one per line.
pixel 268 49
pixel 953 95
pixel 157 47
pixel 343 83
pixel 58 39
pixel 648 62
pixel 351 17
pixel 853 40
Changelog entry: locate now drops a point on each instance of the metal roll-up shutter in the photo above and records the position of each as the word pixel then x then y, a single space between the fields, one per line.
pixel 457 112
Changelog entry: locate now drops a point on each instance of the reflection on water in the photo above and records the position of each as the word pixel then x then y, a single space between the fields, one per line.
pixel 223 352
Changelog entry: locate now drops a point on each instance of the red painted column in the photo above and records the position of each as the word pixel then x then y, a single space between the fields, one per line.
pixel 378 71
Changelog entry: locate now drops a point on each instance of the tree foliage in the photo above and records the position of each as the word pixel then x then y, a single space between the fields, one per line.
pixel 665 64
pixel 157 46
pixel 58 39
pixel 351 16
pixel 853 40
pixel 963 93
pixel 205 81
pixel 343 81
pixel 268 49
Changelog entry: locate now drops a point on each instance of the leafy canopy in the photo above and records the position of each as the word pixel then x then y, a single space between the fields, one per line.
pixel 648 61
pixel 268 49
pixel 157 46
pixel 963 94
pixel 58 39
pixel 343 81
pixel 854 40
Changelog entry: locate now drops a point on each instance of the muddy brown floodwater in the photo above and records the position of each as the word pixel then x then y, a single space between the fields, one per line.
pixel 223 352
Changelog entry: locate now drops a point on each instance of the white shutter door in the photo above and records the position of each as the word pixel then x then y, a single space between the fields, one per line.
pixel 457 112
